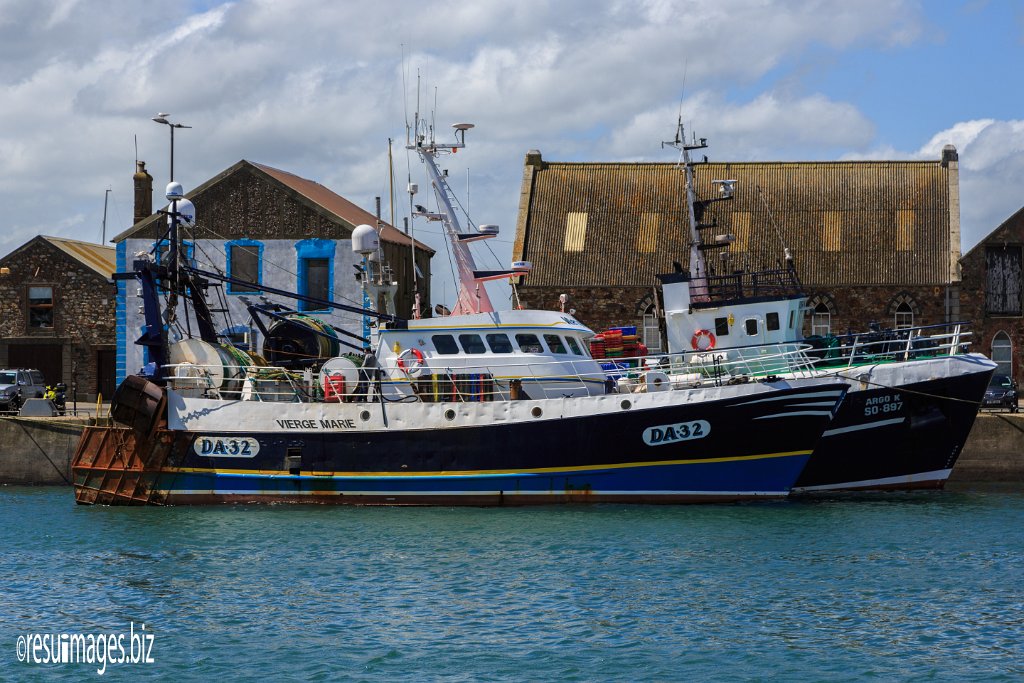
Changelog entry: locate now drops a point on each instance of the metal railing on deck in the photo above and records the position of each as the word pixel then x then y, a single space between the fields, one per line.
pixel 497 378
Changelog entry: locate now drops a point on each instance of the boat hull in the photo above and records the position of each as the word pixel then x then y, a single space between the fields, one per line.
pixel 902 428
pixel 706 445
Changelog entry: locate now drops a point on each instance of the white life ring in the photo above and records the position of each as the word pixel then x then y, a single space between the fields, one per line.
pixel 415 366
pixel 699 338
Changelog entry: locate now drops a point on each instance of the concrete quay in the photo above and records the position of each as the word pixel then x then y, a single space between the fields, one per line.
pixel 40 450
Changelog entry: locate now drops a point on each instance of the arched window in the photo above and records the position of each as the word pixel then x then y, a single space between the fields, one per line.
pixel 822 308
pixel 903 310
pixel 648 327
pixel 1002 354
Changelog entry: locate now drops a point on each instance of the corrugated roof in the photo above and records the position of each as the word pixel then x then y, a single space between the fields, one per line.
pixel 619 224
pixel 95 256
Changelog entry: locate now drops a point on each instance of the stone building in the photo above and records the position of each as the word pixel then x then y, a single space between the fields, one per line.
pixel 873 241
pixel 273 228
pixel 992 295
pixel 57 313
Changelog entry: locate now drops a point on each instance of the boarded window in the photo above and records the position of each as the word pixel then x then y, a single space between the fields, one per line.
pixel 245 265
pixel 575 231
pixel 1003 281
pixel 647 239
pixel 318 284
pixel 831 230
pixel 905 230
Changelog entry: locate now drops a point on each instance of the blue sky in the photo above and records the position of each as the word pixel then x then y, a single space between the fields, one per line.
pixel 315 88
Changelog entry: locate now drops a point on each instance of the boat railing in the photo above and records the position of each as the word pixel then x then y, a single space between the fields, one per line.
pixel 881 346
pixel 740 285
pixel 511 378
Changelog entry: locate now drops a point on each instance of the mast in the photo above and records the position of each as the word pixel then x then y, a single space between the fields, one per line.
pixel 699 290
pixel 472 297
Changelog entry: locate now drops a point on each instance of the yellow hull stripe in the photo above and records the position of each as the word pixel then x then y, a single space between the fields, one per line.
pixel 475 473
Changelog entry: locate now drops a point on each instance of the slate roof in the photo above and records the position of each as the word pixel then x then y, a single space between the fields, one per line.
pixel 316 195
pixel 847 223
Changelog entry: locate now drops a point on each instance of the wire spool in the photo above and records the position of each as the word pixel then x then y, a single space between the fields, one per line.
pixel 202 365
pixel 295 342
pixel 339 378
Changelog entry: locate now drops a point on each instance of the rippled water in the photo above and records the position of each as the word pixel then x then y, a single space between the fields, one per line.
pixel 926 586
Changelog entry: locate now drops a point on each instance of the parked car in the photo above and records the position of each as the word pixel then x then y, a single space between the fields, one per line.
pixel 18 385
pixel 1001 394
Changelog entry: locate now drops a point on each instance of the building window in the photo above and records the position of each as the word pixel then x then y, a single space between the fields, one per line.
pixel 651 333
pixel 904 317
pixel 903 310
pixel 821 321
pixel 1002 354
pixel 245 262
pixel 316 271
pixel 161 248
pixel 1003 280
pixel 822 309
pixel 40 307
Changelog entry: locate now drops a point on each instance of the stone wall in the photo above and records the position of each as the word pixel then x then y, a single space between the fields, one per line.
pixel 854 307
pixel 84 303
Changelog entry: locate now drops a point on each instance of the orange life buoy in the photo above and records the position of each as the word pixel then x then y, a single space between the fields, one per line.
pixel 415 366
pixel 701 335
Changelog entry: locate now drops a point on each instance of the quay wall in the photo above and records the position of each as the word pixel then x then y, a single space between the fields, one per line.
pixel 37 450
pixel 40 450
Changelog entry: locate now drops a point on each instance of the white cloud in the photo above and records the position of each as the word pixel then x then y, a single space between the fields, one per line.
pixel 316 89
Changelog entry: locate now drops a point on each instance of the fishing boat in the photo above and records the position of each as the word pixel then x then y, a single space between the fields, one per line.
pixel 479 407
pixel 914 392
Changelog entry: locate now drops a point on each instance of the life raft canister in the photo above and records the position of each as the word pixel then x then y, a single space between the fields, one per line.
pixel 703 340
pixel 413 368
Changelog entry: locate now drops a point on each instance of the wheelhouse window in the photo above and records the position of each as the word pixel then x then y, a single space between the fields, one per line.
pixel 445 344
pixel 721 327
pixel 499 343
pixel 771 321
pixel 244 261
pixel 472 343
pixel 574 346
pixel 40 307
pixel 554 343
pixel 529 343
pixel 751 326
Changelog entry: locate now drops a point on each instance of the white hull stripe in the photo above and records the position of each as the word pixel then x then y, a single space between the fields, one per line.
pixel 789 397
pixel 794 413
pixel 935 475
pixel 869 425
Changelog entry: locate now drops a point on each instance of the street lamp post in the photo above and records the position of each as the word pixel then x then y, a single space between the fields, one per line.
pixel 162 118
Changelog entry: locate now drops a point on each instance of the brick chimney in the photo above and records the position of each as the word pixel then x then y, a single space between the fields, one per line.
pixel 143 192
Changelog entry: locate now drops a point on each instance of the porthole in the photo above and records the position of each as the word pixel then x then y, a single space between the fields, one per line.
pixel 449 414
pixel 536 412
pixel 365 415
pixel 626 405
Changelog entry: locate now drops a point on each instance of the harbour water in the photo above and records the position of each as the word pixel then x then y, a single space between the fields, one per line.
pixel 883 586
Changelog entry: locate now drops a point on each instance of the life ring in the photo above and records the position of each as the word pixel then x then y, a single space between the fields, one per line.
pixel 700 335
pixel 415 366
